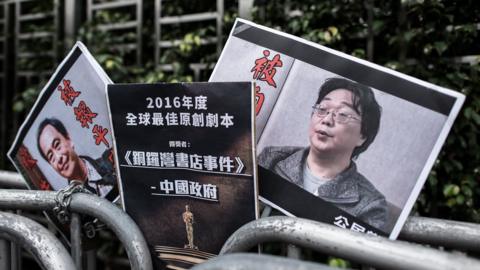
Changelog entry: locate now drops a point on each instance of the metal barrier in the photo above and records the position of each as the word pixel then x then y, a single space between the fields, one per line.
pixel 370 250
pixel 116 219
pixel 447 233
pixel 321 237
pixel 12 180
pixel 41 243
pixel 249 261
pixel 441 232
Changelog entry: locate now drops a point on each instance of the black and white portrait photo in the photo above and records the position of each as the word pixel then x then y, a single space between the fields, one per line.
pixel 339 139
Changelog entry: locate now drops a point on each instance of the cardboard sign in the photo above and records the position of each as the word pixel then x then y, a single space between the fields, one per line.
pixel 67 135
pixel 186 162
pixel 340 140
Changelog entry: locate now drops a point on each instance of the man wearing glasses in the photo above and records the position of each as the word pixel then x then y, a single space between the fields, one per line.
pixel 344 122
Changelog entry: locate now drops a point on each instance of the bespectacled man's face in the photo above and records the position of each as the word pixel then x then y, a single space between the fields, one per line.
pixel 327 134
pixel 59 152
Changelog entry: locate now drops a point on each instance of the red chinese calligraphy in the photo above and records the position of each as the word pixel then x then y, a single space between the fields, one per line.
pixel 67 93
pixel 110 156
pixel 265 69
pixel 26 159
pixel 84 114
pixel 44 185
pixel 259 99
pixel 99 134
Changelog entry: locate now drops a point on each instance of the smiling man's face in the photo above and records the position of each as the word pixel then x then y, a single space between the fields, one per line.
pixel 59 153
pixel 326 135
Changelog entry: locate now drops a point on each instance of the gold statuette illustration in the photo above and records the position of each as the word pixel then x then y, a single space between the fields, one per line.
pixel 188 219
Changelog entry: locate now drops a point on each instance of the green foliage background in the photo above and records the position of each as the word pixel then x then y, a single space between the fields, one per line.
pixel 420 38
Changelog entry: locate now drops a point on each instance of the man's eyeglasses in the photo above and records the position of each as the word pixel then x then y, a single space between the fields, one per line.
pixel 339 117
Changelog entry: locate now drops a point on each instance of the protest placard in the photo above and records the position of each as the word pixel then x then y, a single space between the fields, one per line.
pixel 340 140
pixel 186 162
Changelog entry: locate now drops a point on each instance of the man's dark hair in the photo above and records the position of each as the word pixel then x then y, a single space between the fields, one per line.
pixel 55 123
pixel 364 104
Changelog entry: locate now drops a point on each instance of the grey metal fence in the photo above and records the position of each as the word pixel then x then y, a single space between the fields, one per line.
pixel 296 232
pixel 36 33
pixel 43 244
pixel 133 11
pixel 328 239
pixel 81 203
pixel 249 261
pixel 440 232
pixel 35 41
pixel 162 20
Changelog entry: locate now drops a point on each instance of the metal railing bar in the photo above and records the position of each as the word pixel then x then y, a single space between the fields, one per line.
pixel 4 254
pixel 40 218
pixel 375 251
pixel 166 67
pixel 125 46
pixel 35 54
pixel 16 249
pixel 246 261
pixel 201 66
pixel 219 22
pixel 36 16
pixel 447 233
pixel 193 66
pixel 111 5
pixel 21 1
pixel 118 26
pixel 196 17
pixel 33 35
pixel 16 257
pixel 45 247
pixel 441 232
pixel 176 42
pixel 266 211
pixel 29 74
pixel 91 259
pixel 465 59
pixel 112 216
pixel 120 223
pixel 294 252
pixel 76 239
pixel 11 179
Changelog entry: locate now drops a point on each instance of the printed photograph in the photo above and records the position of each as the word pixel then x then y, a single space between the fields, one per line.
pixel 66 137
pixel 353 138
pixel 344 121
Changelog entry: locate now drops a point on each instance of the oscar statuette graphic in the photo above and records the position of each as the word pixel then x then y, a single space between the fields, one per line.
pixel 188 219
